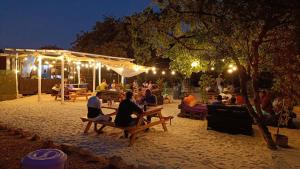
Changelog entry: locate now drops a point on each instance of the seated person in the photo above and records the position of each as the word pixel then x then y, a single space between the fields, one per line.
pixel 95 112
pixel 102 86
pixel 126 108
pixel 149 99
pixel 226 96
pixel 218 101
pixel 232 101
pixel 113 85
pixel 55 89
pixel 240 100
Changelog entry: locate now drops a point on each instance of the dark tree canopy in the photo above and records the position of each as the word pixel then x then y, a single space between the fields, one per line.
pixel 109 37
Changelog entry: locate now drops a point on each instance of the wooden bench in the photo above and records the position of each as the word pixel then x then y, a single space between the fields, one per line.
pixel 140 126
pixel 75 95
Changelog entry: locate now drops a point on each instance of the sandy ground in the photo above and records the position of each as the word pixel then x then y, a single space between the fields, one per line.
pixel 187 144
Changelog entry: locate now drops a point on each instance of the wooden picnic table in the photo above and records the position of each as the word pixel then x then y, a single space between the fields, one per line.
pixel 142 123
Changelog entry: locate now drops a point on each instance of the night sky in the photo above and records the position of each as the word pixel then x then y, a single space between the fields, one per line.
pixel 36 23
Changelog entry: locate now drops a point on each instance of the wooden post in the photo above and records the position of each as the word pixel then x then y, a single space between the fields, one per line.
pixel 99 73
pixel 94 77
pixel 39 78
pixel 78 73
pixel 122 80
pixel 17 82
pixel 62 79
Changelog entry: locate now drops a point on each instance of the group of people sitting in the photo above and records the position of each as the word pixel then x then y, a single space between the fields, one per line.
pixel 112 86
pixel 127 107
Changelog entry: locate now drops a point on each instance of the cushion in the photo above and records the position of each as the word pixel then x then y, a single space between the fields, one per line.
pixel 190 100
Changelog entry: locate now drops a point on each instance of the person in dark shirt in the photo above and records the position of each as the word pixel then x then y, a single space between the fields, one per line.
pixel 126 108
pixel 149 100
pixel 218 101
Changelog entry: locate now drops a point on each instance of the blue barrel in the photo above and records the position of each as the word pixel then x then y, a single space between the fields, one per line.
pixel 44 159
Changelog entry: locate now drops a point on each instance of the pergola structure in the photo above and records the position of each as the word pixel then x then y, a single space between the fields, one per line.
pixel 122 66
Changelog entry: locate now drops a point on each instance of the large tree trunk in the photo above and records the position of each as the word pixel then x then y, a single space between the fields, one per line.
pixel 258 119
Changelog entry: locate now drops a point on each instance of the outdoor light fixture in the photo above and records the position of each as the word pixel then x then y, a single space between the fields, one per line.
pixel 136 68
pixel 195 63
pixel 173 72
pixel 229 70
pixel 163 72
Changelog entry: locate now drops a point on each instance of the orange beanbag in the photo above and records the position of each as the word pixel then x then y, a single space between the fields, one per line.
pixel 190 100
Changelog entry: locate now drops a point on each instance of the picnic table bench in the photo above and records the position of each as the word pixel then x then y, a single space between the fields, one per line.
pixel 141 125
pixel 74 93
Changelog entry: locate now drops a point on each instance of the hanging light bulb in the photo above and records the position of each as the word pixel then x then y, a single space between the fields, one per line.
pixel 195 63
pixel 163 72
pixel 153 68
pixel 234 68
pixel 212 68
pixel 154 72
pixel 173 72
pixel 229 70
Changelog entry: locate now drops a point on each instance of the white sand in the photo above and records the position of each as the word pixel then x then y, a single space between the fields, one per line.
pixel 187 144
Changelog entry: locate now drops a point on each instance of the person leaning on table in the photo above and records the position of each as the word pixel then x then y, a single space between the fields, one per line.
pixel 94 110
pixel 126 108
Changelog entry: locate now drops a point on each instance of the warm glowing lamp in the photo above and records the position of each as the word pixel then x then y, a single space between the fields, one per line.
pixel 195 63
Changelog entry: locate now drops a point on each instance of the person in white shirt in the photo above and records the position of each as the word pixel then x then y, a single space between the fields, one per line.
pixel 94 110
